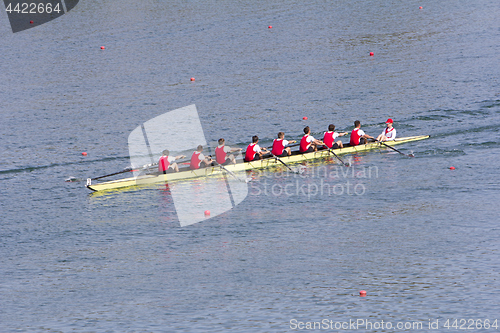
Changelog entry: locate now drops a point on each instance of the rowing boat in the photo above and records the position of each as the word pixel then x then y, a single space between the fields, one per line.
pixel 185 173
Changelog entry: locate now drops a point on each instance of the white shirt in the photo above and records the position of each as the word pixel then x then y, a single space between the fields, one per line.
pixel 360 132
pixel 310 139
pixel 256 148
pixel 334 135
pixel 226 149
pixel 285 142
pixel 390 135
pixel 170 159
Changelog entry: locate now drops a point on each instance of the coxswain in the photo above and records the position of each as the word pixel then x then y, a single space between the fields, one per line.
pixel 166 163
pixel 358 136
pixel 308 143
pixel 222 151
pixel 280 148
pixel 330 136
pixel 198 158
pixel 389 132
pixel 254 152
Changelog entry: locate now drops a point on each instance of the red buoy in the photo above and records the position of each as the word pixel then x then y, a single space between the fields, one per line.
pixel 31 22
pixel 372 54
pixel 84 154
pixel 304 118
pixel 452 168
pixel 192 79
pixel 420 7
pixel 270 27
pixel 102 47
pixel 207 213
pixel 362 293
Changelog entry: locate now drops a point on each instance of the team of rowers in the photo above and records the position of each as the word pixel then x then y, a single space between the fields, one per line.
pixel 280 148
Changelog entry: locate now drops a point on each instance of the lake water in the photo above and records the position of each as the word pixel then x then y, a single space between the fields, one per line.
pixel 421 239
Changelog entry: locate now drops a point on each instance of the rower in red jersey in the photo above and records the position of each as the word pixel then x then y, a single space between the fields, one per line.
pixel 358 136
pixel 221 153
pixel 254 152
pixel 280 148
pixel 308 143
pixel 198 158
pixel 166 163
pixel 330 136
pixel 389 133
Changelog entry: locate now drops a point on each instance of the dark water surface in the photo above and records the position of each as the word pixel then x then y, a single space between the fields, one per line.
pixel 421 239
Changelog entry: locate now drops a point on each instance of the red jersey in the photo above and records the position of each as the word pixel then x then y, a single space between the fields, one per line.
pixel 329 138
pixel 220 155
pixel 304 145
pixel 163 164
pixel 195 161
pixel 278 147
pixel 250 153
pixel 355 136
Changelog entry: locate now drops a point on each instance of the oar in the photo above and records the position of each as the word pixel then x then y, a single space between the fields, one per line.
pixel 279 159
pixel 115 173
pixel 409 155
pixel 331 151
pixel 231 173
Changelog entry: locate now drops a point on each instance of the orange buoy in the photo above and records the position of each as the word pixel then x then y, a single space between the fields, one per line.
pixel 304 118
pixel 362 293
pixel 192 79
pixel 102 47
pixel 207 213
pixel 84 154
pixel 452 168
pixel 420 7
pixel 270 27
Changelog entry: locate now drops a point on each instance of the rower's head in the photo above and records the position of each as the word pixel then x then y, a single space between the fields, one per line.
pixel 200 148
pixel 281 135
pixel 165 152
pixel 221 141
pixel 389 122
pixel 255 139
pixel 331 127
pixel 357 124
pixel 307 130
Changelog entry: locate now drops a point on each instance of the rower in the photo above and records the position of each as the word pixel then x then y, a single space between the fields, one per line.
pixel 166 163
pixel 330 136
pixel 358 136
pixel 308 143
pixel 221 153
pixel 197 158
pixel 389 132
pixel 280 148
pixel 254 152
